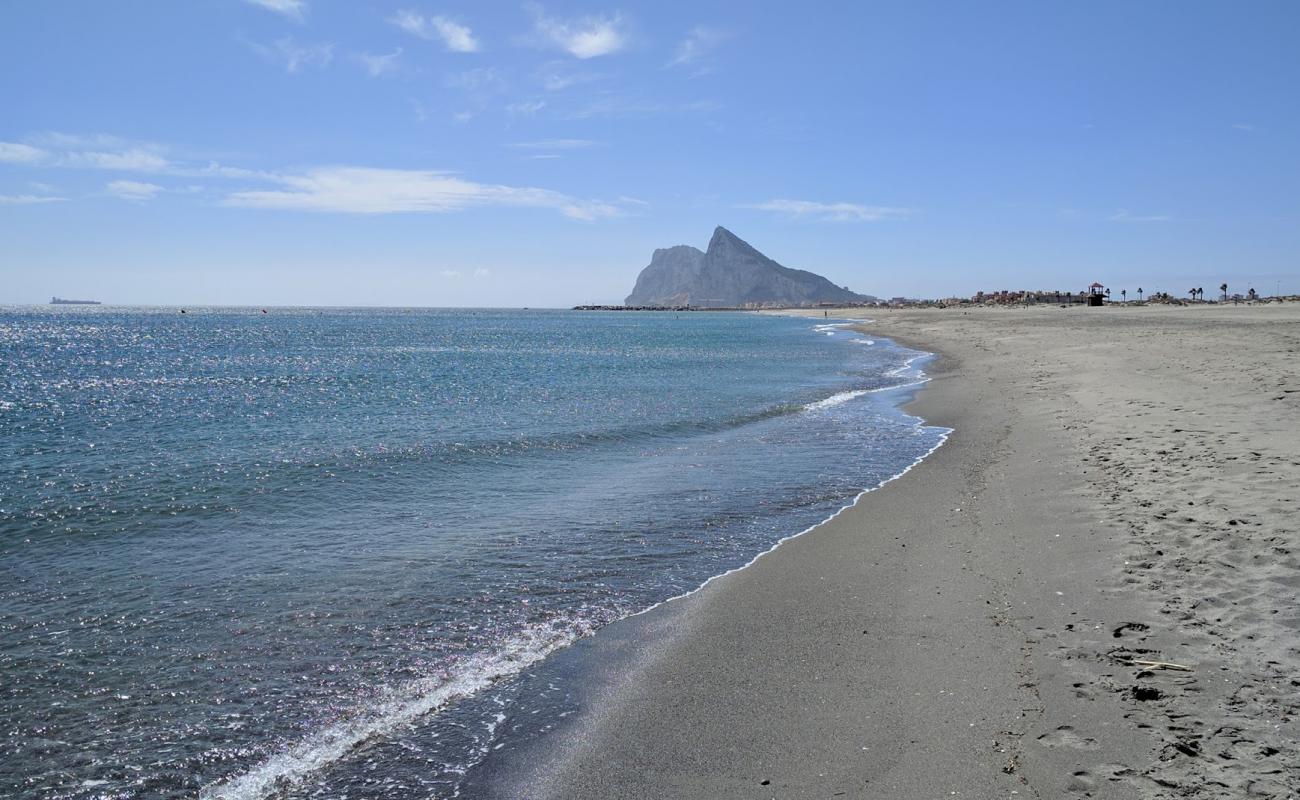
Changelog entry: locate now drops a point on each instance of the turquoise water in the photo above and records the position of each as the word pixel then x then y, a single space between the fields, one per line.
pixel 306 552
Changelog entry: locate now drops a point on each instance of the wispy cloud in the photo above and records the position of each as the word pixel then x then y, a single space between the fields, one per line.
pixel 18 153
pixel 699 43
pixel 104 152
pixel 293 56
pixel 133 190
pixel 455 37
pixel 525 108
pixel 27 199
pixel 57 140
pixel 555 144
pixel 1123 216
pixel 90 151
pixel 377 65
pixel 351 190
pixel 480 86
pixel 832 212
pixel 134 159
pixel 363 190
pixel 556 77
pixel 1241 126
pixel 584 37
pixel 477 81
pixel 617 106
pixel 293 9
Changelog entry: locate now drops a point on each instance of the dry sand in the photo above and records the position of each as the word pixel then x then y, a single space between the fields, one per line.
pixel 1121 485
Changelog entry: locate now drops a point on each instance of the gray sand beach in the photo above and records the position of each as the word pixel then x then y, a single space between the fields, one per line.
pixel 1089 591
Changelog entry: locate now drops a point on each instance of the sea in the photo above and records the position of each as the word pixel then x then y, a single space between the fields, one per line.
pixel 299 553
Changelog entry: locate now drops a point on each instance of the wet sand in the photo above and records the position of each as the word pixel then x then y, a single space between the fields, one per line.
pixel 1120 488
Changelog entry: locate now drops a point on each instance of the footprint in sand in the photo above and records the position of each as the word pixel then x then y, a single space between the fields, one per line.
pixel 1081 781
pixel 1129 626
pixel 1065 736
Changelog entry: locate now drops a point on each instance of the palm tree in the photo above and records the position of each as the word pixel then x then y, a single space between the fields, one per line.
pixel 1223 287
pixel 1139 294
pixel 1123 295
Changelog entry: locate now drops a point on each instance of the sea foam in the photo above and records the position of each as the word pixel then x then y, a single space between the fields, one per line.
pixel 401 706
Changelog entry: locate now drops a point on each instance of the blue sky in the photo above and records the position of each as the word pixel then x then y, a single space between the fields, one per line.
pixel 394 152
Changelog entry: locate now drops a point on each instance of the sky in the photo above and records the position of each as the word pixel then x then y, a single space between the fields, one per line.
pixel 411 153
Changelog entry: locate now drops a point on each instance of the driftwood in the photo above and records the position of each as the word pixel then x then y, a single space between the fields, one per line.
pixel 1142 662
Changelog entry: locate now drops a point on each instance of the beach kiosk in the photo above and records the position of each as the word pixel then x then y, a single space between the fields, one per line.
pixel 1096 294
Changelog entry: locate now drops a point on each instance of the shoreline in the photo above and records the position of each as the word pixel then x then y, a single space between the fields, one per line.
pixel 608 660
pixel 915 388
pixel 567 649
pixel 969 632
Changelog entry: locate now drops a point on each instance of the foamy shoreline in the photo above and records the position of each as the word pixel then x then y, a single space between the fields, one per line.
pixel 979 629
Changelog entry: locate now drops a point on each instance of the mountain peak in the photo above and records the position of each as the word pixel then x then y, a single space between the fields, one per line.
pixel 721 234
pixel 724 241
pixel 731 273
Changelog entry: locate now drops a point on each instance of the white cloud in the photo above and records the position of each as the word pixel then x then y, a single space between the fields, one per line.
pixel 1123 216
pixel 697 45
pixel 133 190
pixel 214 170
pixel 381 64
pixel 1241 126
pixel 16 153
pixel 26 199
pixel 585 37
pixel 454 36
pixel 363 190
pixel 525 108
pixel 79 141
pixel 135 159
pixel 294 56
pixel 554 144
pixel 104 152
pixel 451 273
pixel 832 212
pixel 293 9
pixel 482 273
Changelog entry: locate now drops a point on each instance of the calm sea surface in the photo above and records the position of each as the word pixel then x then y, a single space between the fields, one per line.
pixel 307 553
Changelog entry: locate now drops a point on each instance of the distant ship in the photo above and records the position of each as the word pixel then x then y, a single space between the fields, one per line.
pixel 59 301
